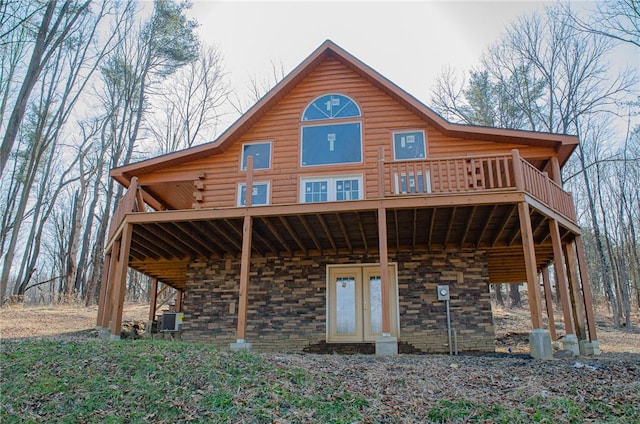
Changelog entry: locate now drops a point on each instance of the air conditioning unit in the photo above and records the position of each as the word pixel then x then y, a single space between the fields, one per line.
pixel 171 321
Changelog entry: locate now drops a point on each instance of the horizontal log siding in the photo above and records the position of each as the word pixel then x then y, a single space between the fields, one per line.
pixel 381 115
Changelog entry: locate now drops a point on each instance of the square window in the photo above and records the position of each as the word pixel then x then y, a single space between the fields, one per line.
pixel 331 144
pixel 261 153
pixel 409 145
pixel 260 194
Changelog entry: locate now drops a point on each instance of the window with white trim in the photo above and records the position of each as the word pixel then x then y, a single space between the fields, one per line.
pixel 261 153
pixel 409 145
pixel 259 197
pixel 330 142
pixel 329 189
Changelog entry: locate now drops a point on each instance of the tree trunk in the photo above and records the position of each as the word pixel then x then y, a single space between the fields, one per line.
pixel 514 295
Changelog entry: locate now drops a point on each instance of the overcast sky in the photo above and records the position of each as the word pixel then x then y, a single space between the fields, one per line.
pixel 408 42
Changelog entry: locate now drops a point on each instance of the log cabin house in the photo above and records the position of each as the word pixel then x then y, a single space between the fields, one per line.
pixel 363 202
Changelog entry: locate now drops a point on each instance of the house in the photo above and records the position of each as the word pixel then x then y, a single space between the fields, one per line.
pixel 363 202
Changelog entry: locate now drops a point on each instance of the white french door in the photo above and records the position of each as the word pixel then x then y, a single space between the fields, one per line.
pixel 355 303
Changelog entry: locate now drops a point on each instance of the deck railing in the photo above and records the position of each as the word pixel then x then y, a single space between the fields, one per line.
pixel 472 174
pixel 129 202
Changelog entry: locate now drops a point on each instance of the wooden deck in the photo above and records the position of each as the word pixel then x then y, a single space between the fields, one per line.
pixel 435 204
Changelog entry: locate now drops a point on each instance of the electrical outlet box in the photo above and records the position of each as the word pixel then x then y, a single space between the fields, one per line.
pixel 443 292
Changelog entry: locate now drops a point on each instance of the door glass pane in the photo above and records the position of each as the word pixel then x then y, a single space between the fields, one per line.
pixel 345 305
pixel 375 302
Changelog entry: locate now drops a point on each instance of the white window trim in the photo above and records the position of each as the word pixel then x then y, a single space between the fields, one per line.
pixel 269 142
pixel 325 124
pixel 330 119
pixel 407 131
pixel 331 179
pixel 255 183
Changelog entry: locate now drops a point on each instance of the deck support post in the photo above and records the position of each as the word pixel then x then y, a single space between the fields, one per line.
pixel 548 299
pixel 120 282
pixel 108 282
pixel 387 344
pixel 103 289
pixel 153 301
pixel 247 230
pixel 539 339
pixel 577 304
pixel 570 341
pixel 590 347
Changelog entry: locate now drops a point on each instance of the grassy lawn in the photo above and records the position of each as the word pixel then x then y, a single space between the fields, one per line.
pixel 169 381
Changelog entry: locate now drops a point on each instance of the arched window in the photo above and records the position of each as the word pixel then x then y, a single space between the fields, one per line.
pixel 327 142
pixel 331 106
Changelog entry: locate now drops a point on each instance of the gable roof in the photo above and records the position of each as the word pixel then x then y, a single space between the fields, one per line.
pixel 563 144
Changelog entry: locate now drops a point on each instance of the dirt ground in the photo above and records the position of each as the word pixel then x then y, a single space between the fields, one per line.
pixel 512 325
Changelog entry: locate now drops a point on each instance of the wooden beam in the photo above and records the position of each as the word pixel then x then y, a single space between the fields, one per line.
pixel 415 230
pixel 449 227
pixel 533 288
pixel 586 290
pixel 467 226
pixel 108 298
pixel 345 234
pixel 561 276
pixel 216 226
pixel 487 221
pixel 548 299
pixel 506 221
pixel 311 233
pixel 397 228
pixel 266 242
pixel 277 235
pixel 179 294
pixel 153 300
pixel 120 281
pixel 362 233
pixel 432 223
pixel 294 235
pixel 243 295
pixel 325 227
pixel 240 235
pixel 177 230
pixel 156 232
pixel 577 301
pixel 384 271
pixel 103 288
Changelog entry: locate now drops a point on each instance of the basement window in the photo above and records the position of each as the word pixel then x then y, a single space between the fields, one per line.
pixel 260 195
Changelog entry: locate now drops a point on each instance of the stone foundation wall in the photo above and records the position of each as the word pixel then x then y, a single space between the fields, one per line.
pixel 287 301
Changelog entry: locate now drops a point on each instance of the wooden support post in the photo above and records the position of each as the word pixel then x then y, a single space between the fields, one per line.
pixel 108 295
pixel 586 290
pixel 528 246
pixel 539 339
pixel 248 188
pixel 120 281
pixel 104 281
pixel 548 298
pixel 244 279
pixel 381 172
pixel 154 299
pixel 179 294
pixel 561 276
pixel 384 272
pixel 518 176
pixel 577 302
pixel 556 174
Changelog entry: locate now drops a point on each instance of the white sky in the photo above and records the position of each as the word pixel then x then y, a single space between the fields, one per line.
pixel 409 42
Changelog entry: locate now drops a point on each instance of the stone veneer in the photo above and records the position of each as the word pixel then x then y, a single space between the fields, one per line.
pixel 287 300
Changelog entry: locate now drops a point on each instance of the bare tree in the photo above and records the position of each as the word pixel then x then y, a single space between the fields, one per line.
pixel 188 105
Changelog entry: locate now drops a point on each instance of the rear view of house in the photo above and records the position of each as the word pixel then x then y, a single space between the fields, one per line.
pixel 333 210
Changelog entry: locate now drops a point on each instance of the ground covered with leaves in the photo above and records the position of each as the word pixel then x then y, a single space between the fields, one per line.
pixel 73 377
